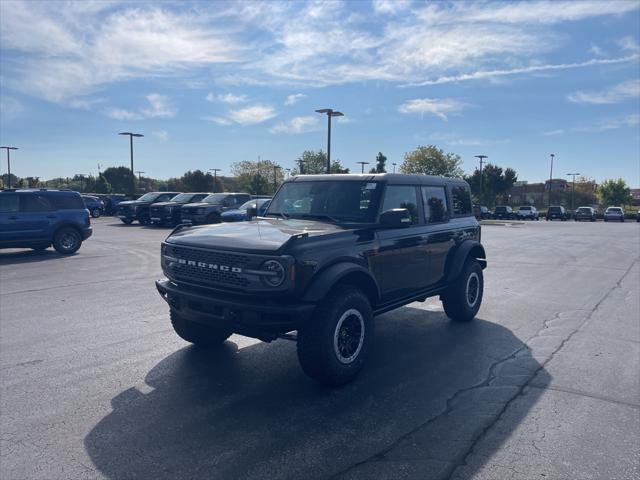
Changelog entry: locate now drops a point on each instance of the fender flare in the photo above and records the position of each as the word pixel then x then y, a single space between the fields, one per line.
pixel 324 281
pixel 459 256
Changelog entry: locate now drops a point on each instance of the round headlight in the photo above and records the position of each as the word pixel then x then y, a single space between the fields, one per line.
pixel 277 273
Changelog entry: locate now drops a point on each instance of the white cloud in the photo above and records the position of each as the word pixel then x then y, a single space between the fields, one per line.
pixel 626 121
pixel 229 98
pixel 159 107
pixel 629 44
pixel 390 7
pixel 10 107
pixel 439 107
pixel 252 115
pixel 294 98
pixel 297 125
pixel 218 120
pixel 615 94
pixel 161 135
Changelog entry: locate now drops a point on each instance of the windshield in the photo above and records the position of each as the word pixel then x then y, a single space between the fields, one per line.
pixel 215 198
pixel 149 197
pixel 614 210
pixel 253 203
pixel 501 209
pixel 525 208
pixel 182 197
pixel 584 210
pixel 352 201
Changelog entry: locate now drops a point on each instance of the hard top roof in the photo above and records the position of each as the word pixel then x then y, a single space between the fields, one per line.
pixel 388 178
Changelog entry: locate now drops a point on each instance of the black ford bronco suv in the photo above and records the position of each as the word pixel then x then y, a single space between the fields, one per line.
pixel 330 253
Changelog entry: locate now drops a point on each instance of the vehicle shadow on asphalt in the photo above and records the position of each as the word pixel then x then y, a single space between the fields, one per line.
pixel 428 392
pixel 31 256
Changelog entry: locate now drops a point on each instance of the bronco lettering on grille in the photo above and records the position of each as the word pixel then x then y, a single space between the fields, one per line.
pixel 209 266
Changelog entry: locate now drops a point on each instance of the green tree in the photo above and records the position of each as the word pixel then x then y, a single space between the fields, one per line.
pixel 258 178
pixel 496 182
pixel 314 163
pixel 102 185
pixel 197 181
pixel 614 192
pixel 381 164
pixel 431 160
pixel 120 179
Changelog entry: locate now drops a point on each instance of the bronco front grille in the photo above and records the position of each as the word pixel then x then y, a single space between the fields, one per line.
pixel 208 267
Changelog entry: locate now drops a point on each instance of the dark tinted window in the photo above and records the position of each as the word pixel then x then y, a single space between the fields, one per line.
pixel 435 204
pixel 461 200
pixel 165 197
pixel 198 198
pixel 66 202
pixel 8 202
pixel 35 203
pixel 401 196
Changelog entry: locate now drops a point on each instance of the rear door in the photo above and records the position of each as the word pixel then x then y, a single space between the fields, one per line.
pixel 439 240
pixel 9 218
pixel 36 214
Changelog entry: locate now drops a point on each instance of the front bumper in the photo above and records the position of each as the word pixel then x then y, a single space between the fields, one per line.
pixel 257 318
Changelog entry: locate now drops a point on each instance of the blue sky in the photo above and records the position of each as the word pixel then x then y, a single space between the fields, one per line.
pixel 212 83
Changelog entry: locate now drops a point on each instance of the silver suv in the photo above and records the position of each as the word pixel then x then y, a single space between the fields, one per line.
pixel 527 213
pixel 615 214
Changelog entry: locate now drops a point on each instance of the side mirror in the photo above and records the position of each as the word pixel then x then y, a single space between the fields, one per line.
pixel 252 212
pixel 395 218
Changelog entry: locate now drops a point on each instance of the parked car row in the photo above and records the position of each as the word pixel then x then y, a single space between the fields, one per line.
pixel 505 212
pixel 173 208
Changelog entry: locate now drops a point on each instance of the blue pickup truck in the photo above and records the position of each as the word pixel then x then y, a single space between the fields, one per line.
pixel 37 219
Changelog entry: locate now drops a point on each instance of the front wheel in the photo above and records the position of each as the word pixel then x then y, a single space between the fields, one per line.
pixel 462 299
pixel 143 220
pixel 126 221
pixel 67 241
pixel 200 335
pixel 95 213
pixel 334 343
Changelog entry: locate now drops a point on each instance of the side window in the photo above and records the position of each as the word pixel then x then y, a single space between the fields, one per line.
pixel 8 203
pixel 461 200
pixel 435 204
pixel 67 202
pixel 228 202
pixel 34 203
pixel 240 199
pixel 165 197
pixel 401 196
pixel 197 198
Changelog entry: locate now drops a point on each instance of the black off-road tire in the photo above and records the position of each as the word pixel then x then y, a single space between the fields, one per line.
pixel 334 343
pixel 462 299
pixel 67 240
pixel 95 213
pixel 203 336
pixel 144 220
pixel 126 221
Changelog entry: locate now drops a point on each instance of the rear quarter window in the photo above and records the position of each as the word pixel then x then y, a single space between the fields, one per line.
pixel 461 200
pixel 66 202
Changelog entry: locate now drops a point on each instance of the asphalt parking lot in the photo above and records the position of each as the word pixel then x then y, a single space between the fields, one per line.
pixel 544 384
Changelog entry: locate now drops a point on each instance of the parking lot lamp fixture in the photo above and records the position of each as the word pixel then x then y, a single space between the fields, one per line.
pixel 481 158
pixel 573 187
pixel 9 163
pixel 551 178
pixel 215 176
pixel 330 113
pixel 394 167
pixel 362 164
pixel 133 175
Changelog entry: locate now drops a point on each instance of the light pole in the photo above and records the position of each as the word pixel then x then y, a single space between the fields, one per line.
pixel 481 158
pixel 573 187
pixel 215 176
pixel 551 178
pixel 394 167
pixel 362 164
pixel 9 163
pixel 140 179
pixel 330 113
pixel 133 176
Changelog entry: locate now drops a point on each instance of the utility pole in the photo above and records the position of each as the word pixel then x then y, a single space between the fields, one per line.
pixel 215 176
pixel 551 179
pixel 9 163
pixel 481 158
pixel 330 113
pixel 362 164
pixel 573 188
pixel 275 177
pixel 140 179
pixel 394 167
pixel 133 176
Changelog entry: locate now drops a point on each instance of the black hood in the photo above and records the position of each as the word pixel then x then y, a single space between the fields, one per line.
pixel 168 204
pixel 203 204
pixel 257 235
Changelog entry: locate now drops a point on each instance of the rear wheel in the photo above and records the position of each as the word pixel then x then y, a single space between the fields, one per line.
pixel 95 213
pixel 67 240
pixel 126 221
pixel 462 299
pixel 143 220
pixel 201 335
pixel 334 343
